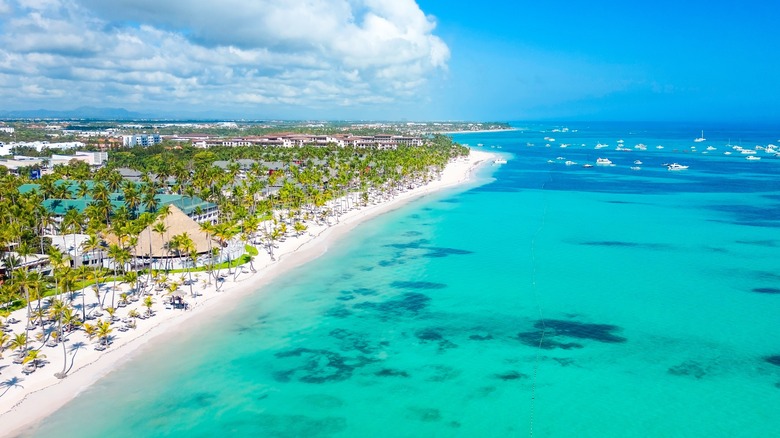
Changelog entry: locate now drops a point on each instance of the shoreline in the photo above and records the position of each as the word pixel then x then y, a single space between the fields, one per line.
pixel 25 400
pixel 479 131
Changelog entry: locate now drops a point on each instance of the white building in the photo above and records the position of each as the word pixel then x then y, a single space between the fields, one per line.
pixel 7 129
pixel 91 158
pixel 141 140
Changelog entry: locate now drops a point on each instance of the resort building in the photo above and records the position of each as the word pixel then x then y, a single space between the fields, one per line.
pixel 299 140
pixel 80 197
pixel 141 140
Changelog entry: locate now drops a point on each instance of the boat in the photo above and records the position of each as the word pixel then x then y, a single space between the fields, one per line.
pixel 499 161
pixel 700 139
pixel 675 166
pixel 587 166
pixel 601 146
pixel 752 158
pixel 710 148
pixel 603 162
pixel 727 153
pixel 637 162
pixel 635 168
pixel 550 162
pixel 570 163
pixel 659 147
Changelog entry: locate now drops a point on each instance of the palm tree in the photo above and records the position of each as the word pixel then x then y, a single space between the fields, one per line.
pixel 57 312
pixel 161 229
pixel 18 342
pixel 148 302
pixel 33 356
pixel 103 331
pixel 91 245
pixel 4 338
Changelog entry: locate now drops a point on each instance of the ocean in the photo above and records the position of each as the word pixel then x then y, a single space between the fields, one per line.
pixel 543 299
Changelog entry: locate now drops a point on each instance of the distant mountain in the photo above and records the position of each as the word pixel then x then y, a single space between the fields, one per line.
pixel 84 112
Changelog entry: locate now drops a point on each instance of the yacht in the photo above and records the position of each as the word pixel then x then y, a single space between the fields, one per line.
pixel 601 146
pixel 570 163
pixel 637 162
pixel 659 147
pixel 635 168
pixel 675 166
pixel 700 139
pixel 603 162
pixel 587 166
pixel 727 153
pixel 499 161
pixel 710 148
pixel 752 158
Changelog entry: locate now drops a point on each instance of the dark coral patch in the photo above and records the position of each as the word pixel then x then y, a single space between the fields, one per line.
pixel 511 375
pixel 409 304
pixel 351 341
pixel 581 330
pixel 766 290
pixel 774 360
pixel 536 339
pixel 688 368
pixel 320 366
pixel 408 245
pixel 338 312
pixel 431 335
pixel 547 330
pixel 438 252
pixel 622 244
pixel 417 285
pixel 389 372
pixel 481 337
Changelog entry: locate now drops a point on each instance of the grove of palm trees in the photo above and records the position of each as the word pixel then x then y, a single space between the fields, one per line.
pixel 278 194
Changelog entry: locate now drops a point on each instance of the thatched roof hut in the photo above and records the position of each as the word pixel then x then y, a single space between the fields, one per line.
pixel 175 223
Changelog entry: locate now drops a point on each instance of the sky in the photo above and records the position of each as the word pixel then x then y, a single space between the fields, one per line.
pixel 395 59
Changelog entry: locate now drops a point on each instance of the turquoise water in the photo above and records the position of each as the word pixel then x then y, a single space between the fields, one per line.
pixel 656 291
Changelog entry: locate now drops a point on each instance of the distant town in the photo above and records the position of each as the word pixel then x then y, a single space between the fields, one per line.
pixel 45 143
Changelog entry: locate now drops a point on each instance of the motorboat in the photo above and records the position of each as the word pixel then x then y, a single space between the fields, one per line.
pixel 603 162
pixel 710 148
pixel 752 158
pixel 499 161
pixel 637 162
pixel 587 166
pixel 635 168
pixel 601 146
pixel 570 163
pixel 676 166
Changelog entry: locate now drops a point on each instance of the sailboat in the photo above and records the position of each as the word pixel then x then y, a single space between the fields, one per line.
pixel 700 139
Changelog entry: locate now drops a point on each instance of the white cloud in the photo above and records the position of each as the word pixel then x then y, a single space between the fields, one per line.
pixel 264 52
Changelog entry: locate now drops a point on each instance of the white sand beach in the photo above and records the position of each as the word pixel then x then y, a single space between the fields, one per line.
pixel 26 398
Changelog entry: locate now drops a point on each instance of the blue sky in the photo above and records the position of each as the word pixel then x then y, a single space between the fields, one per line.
pixel 395 59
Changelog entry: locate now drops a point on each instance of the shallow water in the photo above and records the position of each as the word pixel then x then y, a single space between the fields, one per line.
pixel 556 300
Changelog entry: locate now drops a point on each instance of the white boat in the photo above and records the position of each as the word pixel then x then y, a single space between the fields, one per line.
pixel 727 153
pixel 675 166
pixel 637 162
pixel 603 162
pixel 700 139
pixel 747 151
pixel 710 148
pixel 752 158
pixel 659 147
pixel 499 161
pixel 587 165
pixel 635 168
pixel 601 146
pixel 570 163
